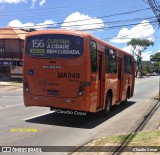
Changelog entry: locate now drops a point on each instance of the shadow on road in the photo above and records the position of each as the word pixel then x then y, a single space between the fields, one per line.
pixel 87 122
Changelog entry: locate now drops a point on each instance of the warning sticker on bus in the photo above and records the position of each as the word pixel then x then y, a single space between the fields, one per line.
pixel 54 46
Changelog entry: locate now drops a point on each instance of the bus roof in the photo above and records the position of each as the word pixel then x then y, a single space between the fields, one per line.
pixel 70 32
pixel 77 33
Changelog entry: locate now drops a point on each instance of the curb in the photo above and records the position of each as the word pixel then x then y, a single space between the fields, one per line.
pixel 156 97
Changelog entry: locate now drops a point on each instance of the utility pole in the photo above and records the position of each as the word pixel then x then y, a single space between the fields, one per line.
pixel 155 6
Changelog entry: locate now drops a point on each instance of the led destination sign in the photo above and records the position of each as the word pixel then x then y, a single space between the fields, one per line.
pixel 55 46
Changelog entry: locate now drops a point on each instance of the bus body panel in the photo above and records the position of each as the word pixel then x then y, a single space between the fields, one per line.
pixel 69 83
pixel 111 84
pixel 56 82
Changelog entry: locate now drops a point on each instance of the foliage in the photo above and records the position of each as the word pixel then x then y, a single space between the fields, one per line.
pixel 148 67
pixel 144 138
pixel 156 64
pixel 156 55
pixel 138 47
pixel 140 42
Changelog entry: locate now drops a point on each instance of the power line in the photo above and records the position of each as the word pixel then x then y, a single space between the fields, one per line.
pixel 101 17
pixel 125 36
pixel 155 6
pixel 91 29
pixel 50 26
pixel 122 37
pixel 59 9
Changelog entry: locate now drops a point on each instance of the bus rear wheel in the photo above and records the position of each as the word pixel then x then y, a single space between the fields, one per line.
pixel 108 104
pixel 127 96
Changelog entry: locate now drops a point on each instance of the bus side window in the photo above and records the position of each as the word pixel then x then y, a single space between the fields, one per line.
pixel 127 64
pixel 107 59
pixel 93 50
pixel 113 62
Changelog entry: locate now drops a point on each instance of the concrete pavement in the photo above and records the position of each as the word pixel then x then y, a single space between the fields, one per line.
pixel 10 85
pixel 152 123
pixel 140 113
pixel 2 83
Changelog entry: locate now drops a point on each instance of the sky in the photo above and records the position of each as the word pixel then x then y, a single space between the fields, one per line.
pixel 114 21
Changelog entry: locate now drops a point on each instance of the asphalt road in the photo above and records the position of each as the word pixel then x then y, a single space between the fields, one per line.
pixel 140 113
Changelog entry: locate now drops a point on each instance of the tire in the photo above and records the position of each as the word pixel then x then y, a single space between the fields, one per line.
pixel 108 104
pixel 127 96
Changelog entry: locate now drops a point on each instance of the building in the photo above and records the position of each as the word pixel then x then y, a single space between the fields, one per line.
pixel 11 53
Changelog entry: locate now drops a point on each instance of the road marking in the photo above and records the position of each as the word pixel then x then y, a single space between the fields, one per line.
pixel 149 100
pixel 155 95
pixel 12 96
pixel 9 106
pixel 38 115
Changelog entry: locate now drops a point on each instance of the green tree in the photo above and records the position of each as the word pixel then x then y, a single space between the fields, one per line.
pixel 157 64
pixel 138 47
pixel 148 67
pixel 156 55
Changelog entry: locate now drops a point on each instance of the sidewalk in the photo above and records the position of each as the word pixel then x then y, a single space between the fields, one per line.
pixel 149 121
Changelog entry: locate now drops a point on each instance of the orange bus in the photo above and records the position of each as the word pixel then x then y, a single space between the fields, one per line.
pixel 72 70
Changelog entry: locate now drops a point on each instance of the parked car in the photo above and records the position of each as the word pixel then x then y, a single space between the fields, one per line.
pixel 148 74
pixel 154 74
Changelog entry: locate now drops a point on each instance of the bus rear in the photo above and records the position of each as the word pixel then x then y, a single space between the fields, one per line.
pixel 55 70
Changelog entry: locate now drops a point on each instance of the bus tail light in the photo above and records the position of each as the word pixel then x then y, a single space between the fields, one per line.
pixel 80 91
pixel 26 85
pixel 82 86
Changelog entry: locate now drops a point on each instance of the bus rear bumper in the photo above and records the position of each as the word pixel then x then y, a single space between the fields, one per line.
pixel 79 103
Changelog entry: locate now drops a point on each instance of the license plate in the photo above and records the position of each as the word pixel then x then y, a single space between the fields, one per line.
pixel 53 92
